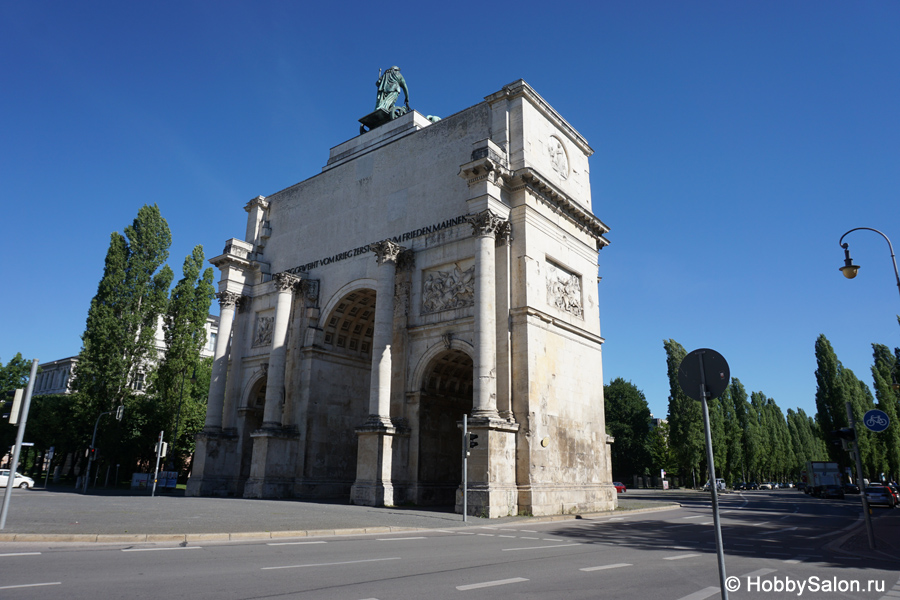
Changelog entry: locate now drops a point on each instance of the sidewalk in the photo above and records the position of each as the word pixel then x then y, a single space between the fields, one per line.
pixel 62 515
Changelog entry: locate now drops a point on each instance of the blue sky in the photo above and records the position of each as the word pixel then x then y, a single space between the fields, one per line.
pixel 735 142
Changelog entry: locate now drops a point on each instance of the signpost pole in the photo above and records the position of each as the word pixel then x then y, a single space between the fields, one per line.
pixel 859 478
pixel 714 493
pixel 20 434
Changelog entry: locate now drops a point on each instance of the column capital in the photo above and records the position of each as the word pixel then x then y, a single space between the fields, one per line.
pixel 285 281
pixel 386 251
pixel 504 234
pixel 228 299
pixel 487 223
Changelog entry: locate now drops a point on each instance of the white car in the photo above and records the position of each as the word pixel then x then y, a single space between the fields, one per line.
pixel 20 481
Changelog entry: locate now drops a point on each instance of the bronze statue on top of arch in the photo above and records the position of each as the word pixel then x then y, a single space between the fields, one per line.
pixel 390 83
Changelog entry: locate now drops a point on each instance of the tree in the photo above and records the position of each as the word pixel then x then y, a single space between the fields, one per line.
pixel 628 421
pixel 888 398
pixel 686 436
pixel 733 414
pixel 118 341
pixel 831 413
pixel 13 376
pixel 175 383
pixel 660 451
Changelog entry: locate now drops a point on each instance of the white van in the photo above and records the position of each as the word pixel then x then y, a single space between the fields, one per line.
pixel 720 484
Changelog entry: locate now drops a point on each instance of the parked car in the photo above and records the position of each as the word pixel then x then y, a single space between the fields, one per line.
pixel 801 487
pixel 880 495
pixel 851 488
pixel 833 491
pixel 20 481
pixel 752 486
pixel 620 487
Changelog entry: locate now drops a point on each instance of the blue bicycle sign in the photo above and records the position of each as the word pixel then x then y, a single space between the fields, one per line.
pixel 876 420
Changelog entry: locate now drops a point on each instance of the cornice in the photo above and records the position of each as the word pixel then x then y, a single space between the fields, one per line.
pixel 561 203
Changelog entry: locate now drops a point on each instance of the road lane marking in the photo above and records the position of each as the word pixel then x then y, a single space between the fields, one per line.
pixel 674 526
pixel 704 593
pixel 542 547
pixel 680 556
pixel 795 560
pixel 475 586
pixel 27 585
pixel 552 540
pixel 22 554
pixel 464 532
pixel 529 538
pixel 421 537
pixel 759 573
pixel 349 562
pixel 694 517
pixel 487 534
pixel 528 531
pixel 294 543
pixel 157 549
pixel 604 567
pixel 507 536
pixel 759 524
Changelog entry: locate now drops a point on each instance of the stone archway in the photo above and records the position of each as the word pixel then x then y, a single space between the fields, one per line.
pixel 250 419
pixel 445 397
pixel 339 394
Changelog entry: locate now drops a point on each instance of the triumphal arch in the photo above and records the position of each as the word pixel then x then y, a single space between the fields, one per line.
pixel 433 269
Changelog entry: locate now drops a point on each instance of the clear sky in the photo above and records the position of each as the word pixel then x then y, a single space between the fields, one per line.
pixel 735 142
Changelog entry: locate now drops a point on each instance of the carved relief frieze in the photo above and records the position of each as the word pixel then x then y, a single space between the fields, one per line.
pixel 285 281
pixel 448 288
pixel 263 331
pixel 564 290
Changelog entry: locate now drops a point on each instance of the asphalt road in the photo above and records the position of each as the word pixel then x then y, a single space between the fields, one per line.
pixel 771 539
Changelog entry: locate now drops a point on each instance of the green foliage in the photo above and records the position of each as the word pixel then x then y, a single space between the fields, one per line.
pixel 884 370
pixel 831 413
pixel 660 450
pixel 685 419
pixel 628 421
pixel 13 375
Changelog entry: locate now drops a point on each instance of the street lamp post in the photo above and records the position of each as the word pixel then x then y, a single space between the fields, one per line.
pixel 850 270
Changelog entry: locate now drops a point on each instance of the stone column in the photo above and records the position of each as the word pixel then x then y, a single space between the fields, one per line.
pixel 484 395
pixel 227 302
pixel 504 345
pixel 285 282
pixel 374 485
pixel 386 254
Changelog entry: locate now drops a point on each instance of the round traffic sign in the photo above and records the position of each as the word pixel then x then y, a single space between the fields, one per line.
pixel 703 367
pixel 876 420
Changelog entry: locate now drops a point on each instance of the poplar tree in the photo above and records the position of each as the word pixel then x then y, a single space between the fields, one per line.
pixel 734 442
pixel 119 337
pixel 831 413
pixel 178 391
pixel 685 419
pixel 888 398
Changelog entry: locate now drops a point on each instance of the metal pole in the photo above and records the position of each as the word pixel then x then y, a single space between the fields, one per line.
pixel 87 474
pixel 720 549
pixel 156 468
pixel 465 473
pixel 23 419
pixel 859 478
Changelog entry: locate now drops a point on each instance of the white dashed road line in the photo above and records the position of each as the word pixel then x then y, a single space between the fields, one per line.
pixel 421 537
pixel 348 562
pixel 704 593
pixel 541 547
pixel 159 549
pixel 21 554
pixel 680 556
pixel 475 586
pixel 605 567
pixel 28 585
pixel 295 543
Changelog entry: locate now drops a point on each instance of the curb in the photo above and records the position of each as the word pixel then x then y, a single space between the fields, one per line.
pixel 130 538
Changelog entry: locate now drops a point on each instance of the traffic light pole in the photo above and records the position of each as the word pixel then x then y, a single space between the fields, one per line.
pixel 20 434
pixel 859 478
pixel 465 468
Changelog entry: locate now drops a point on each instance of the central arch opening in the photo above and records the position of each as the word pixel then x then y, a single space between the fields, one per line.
pixel 446 397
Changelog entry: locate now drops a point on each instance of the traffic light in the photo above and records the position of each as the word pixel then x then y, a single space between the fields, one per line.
pixel 91 453
pixel 843 437
pixel 472 438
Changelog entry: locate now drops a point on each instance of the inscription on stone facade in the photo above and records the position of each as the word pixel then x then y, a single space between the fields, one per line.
pixel 448 289
pixel 263 335
pixel 564 290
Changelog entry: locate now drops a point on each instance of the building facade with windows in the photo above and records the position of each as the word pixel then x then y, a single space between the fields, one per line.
pixel 431 270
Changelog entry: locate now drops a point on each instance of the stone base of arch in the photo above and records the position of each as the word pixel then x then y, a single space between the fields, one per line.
pixel 211 474
pixel 491 473
pixel 550 499
pixel 381 448
pixel 274 456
